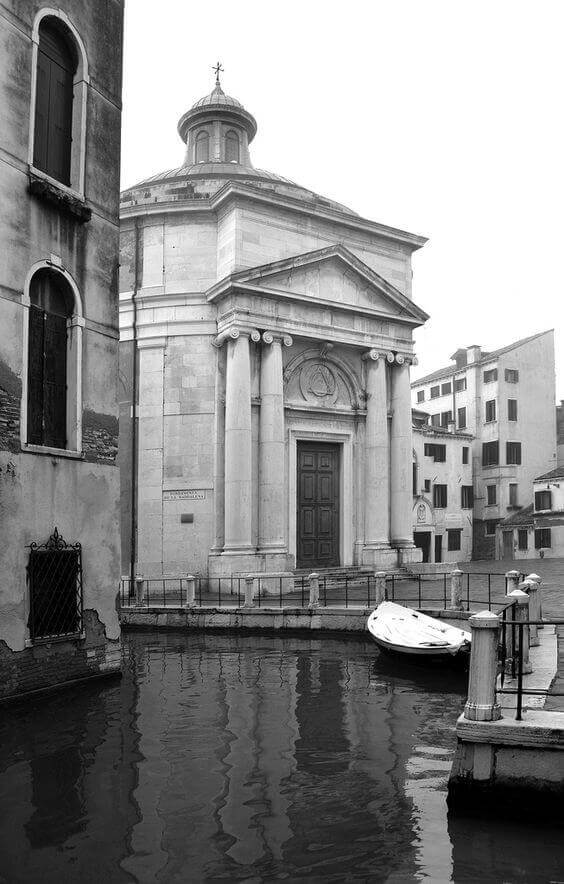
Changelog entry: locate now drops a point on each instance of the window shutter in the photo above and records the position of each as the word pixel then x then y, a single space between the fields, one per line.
pixel 55 381
pixel 60 124
pixel 35 377
pixel 41 136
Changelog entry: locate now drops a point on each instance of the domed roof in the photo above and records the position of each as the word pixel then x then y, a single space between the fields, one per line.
pixel 215 98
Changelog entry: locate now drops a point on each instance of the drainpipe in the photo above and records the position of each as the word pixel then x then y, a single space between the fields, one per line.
pixel 134 418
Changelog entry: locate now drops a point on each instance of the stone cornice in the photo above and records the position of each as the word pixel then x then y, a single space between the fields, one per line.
pixel 233 190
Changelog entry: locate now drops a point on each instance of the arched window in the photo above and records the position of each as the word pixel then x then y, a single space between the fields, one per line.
pixel 202 147
pixel 56 66
pixel 51 308
pixel 231 147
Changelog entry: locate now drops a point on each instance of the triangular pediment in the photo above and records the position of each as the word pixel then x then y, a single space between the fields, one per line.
pixel 331 275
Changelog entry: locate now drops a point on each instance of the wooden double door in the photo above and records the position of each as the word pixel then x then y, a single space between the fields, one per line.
pixel 318 505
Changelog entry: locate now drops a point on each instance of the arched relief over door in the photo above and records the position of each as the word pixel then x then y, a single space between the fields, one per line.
pixel 321 381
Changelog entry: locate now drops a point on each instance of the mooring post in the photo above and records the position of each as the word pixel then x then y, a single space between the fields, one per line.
pixel 249 591
pixel 538 581
pixel 139 590
pixel 481 704
pixel 456 589
pixel 522 614
pixel 380 586
pixel 512 578
pixel 532 589
pixel 313 590
pixel 190 591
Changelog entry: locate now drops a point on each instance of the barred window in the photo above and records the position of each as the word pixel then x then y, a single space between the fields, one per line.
pixel 54 574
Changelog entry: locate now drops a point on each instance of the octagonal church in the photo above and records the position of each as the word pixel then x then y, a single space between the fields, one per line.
pixel 266 344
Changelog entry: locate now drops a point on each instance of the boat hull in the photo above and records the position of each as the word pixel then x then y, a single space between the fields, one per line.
pixel 409 634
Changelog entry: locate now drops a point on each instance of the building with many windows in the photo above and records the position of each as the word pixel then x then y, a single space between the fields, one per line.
pixel 443 497
pixel 538 529
pixel 265 357
pixel 505 399
pixel 60 109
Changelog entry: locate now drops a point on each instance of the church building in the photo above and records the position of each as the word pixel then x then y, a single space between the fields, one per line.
pixel 266 345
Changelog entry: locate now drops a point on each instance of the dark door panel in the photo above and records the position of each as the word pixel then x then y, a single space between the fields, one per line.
pixel 318 505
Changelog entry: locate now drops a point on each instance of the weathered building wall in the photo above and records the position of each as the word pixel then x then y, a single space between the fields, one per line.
pixel 75 491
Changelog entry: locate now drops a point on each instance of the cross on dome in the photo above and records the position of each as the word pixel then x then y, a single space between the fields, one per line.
pixel 217 68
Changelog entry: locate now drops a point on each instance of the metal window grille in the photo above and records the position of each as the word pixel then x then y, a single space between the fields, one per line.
pixel 54 574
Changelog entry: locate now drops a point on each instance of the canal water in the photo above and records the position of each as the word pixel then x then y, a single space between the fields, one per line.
pixel 250 758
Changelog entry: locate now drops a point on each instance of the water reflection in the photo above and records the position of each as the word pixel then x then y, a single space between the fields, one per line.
pixel 241 758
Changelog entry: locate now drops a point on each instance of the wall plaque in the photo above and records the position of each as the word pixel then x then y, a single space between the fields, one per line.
pixel 185 494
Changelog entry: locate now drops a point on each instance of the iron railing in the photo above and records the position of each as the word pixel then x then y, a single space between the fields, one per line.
pixel 359 590
pixel 512 637
pixel 54 576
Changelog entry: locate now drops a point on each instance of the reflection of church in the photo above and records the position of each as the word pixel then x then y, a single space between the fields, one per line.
pixel 267 337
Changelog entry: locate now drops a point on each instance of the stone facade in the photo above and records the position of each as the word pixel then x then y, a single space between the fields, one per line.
pixel 262 326
pixel 67 231
pixel 506 397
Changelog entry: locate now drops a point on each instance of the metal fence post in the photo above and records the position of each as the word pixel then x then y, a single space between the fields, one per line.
pixel 538 581
pixel 456 589
pixel 249 591
pixel 481 704
pixel 313 590
pixel 380 587
pixel 191 591
pixel 139 590
pixel 522 614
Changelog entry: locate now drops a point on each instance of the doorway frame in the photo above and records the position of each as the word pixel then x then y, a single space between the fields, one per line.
pixel 344 439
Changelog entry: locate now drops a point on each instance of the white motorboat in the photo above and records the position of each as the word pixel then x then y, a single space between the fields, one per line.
pixel 405 631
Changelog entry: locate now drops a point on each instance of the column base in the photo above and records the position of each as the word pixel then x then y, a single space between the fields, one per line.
pixel 381 557
pixel 408 555
pixel 235 562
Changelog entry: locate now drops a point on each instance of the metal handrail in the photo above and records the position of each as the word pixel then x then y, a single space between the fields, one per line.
pixel 517 626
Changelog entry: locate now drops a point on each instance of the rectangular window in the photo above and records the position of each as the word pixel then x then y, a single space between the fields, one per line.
pixel 543 500
pixel 437 452
pixel 462 418
pixel 459 385
pixel 512 409
pixel 467 497
pixel 421 395
pixel 435 420
pixel 465 451
pixel 513 453
pixel 543 538
pixel 435 392
pixel 490 376
pixel 427 486
pixel 439 496
pixel 446 389
pixel 492 494
pixel 490 454
pixel 490 527
pixel 446 418
pixel 490 411
pixel 513 496
pixel 523 539
pixel 511 375
pixel 453 535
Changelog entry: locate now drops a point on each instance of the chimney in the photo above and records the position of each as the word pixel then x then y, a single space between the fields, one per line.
pixel 451 426
pixel 474 353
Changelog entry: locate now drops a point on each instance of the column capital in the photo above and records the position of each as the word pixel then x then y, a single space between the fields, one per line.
pixel 395 358
pixel 372 355
pixel 269 337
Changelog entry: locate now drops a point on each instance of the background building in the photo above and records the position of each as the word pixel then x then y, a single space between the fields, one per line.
pixel 266 345
pixel 442 491
pixel 505 398
pixel 60 92
pixel 538 530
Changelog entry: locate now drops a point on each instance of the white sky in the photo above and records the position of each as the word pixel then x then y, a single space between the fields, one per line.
pixel 441 117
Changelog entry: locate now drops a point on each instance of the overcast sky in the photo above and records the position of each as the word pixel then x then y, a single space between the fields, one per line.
pixel 440 117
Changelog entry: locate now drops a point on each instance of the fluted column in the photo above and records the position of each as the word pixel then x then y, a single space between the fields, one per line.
pixel 401 455
pixel 238 444
pixel 271 446
pixel 377 454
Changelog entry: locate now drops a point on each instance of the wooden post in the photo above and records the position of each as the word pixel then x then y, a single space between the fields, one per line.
pixel 481 704
pixel 522 614
pixel 191 591
pixel 139 590
pixel 456 589
pixel 313 590
pixel 249 591
pixel 380 585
